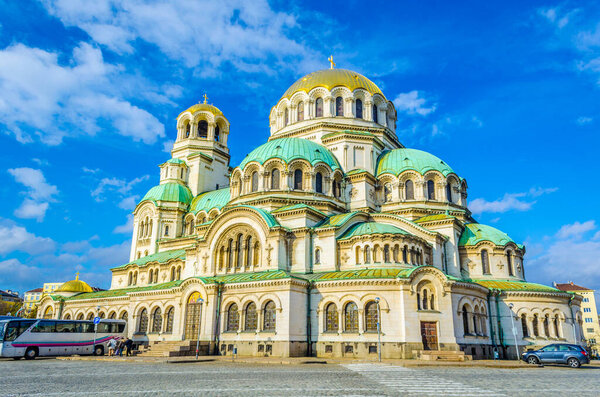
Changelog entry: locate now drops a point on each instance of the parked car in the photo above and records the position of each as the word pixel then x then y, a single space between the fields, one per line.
pixel 558 353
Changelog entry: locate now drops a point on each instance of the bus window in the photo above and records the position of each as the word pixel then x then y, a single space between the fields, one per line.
pixel 120 328
pixel 104 328
pixel 15 328
pixel 45 326
pixel 65 327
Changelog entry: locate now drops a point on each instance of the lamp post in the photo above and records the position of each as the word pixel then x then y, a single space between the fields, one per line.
pixel 514 330
pixel 378 329
pixel 199 322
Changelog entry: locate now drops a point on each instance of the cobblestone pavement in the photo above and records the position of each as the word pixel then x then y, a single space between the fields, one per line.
pixel 49 377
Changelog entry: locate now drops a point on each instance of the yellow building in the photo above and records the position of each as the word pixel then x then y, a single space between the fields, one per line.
pixel 591 320
pixel 32 298
pixel 51 287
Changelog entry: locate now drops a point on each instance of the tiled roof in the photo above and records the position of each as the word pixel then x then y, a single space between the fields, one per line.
pixel 474 233
pixel 336 220
pixel 369 228
pixel 361 274
pixel 159 257
pixel 511 285
pixel 33 291
pixel 209 200
pixel 571 287
pixel 111 293
pixel 399 160
pixel 170 191
pixel 437 217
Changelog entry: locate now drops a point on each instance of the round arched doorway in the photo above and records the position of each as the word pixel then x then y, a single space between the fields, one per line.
pixel 193 312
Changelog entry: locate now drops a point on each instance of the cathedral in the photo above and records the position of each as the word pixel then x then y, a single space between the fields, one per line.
pixel 331 239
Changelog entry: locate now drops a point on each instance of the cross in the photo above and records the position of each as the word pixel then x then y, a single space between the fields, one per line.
pixel 205 257
pixel 330 59
pixel 77 276
pixel 205 98
pixel 269 249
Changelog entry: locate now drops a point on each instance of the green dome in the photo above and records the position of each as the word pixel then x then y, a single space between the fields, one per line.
pixel 175 161
pixel 169 192
pixel 475 233
pixel 399 160
pixel 209 200
pixel 369 228
pixel 288 149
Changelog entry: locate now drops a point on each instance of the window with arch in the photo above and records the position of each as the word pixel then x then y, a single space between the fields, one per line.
pixel 67 316
pixel 336 188
pixel 536 325
pixel 359 109
pixel 319 107
pixel 449 192
pixel 217 133
pixel 233 318
pixel 371 316
pixel 485 262
pixel 143 328
pixel 387 193
pixel 275 177
pixel 166 230
pixel 300 111
pixel 357 255
pixel 188 128
pixel 331 318
pixel 112 316
pixel 556 327
pixel 546 326
pixel 192 226
pixel 409 190
pixel 173 274
pixel 430 190
pixel 150 276
pixel 203 129
pixel 339 106
pixel 475 322
pixel 375 114
pixel 170 318
pixel 298 179
pixel 367 254
pixel 286 116
pixel 90 316
pixel 269 319
pixel 238 250
pixel 524 328
pixel 351 317
pixel 102 315
pixel 80 316
pixel 509 263
pixel 405 254
pixel 396 253
pixel 254 178
pixel 251 317
pixel 125 315
pixel 317 256
pixel 157 320
pixel 465 318
pixel 248 251
pixel 386 253
pixel 319 182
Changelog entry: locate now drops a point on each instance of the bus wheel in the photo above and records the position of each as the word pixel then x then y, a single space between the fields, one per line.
pixel 31 353
pixel 99 350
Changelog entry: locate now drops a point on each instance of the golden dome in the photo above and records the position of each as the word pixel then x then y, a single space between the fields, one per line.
pixel 203 107
pixel 75 286
pixel 330 78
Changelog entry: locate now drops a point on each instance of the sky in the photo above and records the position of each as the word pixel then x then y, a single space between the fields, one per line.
pixel 507 93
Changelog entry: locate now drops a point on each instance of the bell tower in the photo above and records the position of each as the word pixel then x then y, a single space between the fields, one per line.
pixel 202 133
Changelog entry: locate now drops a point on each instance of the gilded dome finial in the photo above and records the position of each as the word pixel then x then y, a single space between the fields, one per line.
pixel 330 59
pixel 205 98
pixel 77 276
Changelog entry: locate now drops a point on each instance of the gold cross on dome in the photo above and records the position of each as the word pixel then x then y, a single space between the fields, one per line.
pixel 205 98
pixel 330 59
pixel 77 276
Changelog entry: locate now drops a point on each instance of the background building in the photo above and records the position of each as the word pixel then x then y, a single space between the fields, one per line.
pixel 8 299
pixel 32 298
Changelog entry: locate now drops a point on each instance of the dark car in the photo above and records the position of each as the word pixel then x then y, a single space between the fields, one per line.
pixel 558 353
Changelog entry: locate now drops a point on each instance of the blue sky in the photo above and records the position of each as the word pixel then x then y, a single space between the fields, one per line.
pixel 506 92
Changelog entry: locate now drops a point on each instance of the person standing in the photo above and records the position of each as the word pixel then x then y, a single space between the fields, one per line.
pixel 128 345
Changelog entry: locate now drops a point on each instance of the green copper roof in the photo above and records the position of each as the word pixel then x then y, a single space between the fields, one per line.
pixel 209 200
pixel 336 220
pixel 170 191
pixel 247 277
pixel 511 285
pixel 270 219
pixel 474 233
pixel 288 149
pixel 175 161
pixel 296 207
pixel 111 293
pixel 159 257
pixel 369 228
pixel 362 274
pixel 437 217
pixel 399 160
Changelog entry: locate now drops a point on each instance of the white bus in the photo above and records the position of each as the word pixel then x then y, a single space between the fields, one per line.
pixel 30 338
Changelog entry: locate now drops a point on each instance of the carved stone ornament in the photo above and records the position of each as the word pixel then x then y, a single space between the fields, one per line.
pixel 500 265
pixel 121 281
pixel 353 192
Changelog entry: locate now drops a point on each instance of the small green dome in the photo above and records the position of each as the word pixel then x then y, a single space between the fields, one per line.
pixel 170 191
pixel 288 149
pixel 369 228
pixel 175 161
pixel 475 233
pixel 399 160
pixel 209 200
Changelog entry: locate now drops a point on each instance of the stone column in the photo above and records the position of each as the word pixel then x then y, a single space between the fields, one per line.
pixel 210 134
pixel 368 110
pixel 327 103
pixel 348 108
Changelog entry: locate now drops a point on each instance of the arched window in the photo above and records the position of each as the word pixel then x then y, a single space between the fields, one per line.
pixel 339 106
pixel 172 273
pixel 405 254
pixel 233 319
pixel 191 226
pixel 319 107
pixel 254 181
pixel 351 317
pixel 317 256
pixel 319 182
pixel 166 230
pixel 170 317
pixel 286 116
pixel 425 301
pixel 331 318
pixel 130 278
pixel 300 111
pixel 248 249
pixel 430 190
pixel 275 179
pixel 359 110
pixel 387 193
pixel 68 316
pixel 256 254
pixel 238 250
pixel 535 326
pixel 409 190
pixel 250 317
pixel 202 129
pixel 546 326
pixel 475 324
pixel 217 133
pixel 449 193
pixel 485 262
pixel 125 316
pixel 524 326
pixel 298 179
pixel 386 253
pixel 465 318
pixel 367 254
pixel 357 254
pixel 375 114
pixel 335 186
pixel 269 319
pixel 178 275
pixel 376 254
pixel 143 321
pixel 556 327
pixel 230 253
pixel 157 320
pixel 188 127
pixel 90 316
pixel 102 315
pixel 371 316
pixel 135 274
pixel 150 276
pixel 80 316
pixel 509 263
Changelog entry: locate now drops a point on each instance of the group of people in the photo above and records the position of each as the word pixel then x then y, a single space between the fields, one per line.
pixel 116 347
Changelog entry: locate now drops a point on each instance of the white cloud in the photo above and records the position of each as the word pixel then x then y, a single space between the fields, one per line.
pixel 243 33
pixel 43 98
pixel 120 186
pixel 129 203
pixel 126 228
pixel 584 120
pixel 510 201
pixel 168 146
pixel 413 102
pixel 39 193
pixel 575 230
pixel 14 238
pixel 557 17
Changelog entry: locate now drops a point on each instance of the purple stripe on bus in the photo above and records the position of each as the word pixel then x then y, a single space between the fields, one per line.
pixel 62 344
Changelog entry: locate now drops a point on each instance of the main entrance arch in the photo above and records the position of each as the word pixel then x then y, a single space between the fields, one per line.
pixel 193 312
